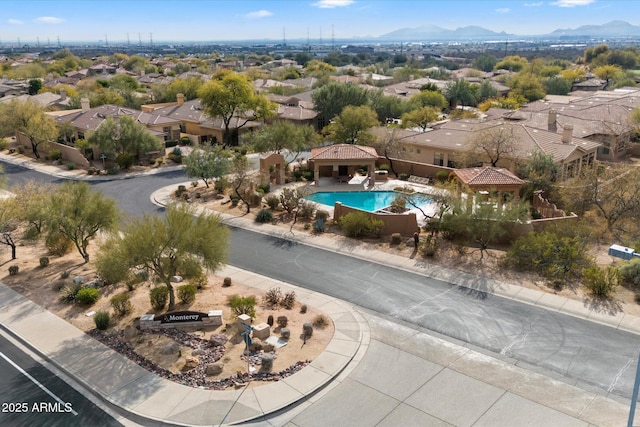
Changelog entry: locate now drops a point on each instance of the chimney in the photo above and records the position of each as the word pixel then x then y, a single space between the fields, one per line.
pixel 142 72
pixel 552 121
pixel 567 134
pixel 63 94
pixel 85 104
pixel 180 98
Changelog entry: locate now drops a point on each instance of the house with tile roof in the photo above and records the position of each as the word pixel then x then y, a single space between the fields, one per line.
pixel 485 180
pixel 340 161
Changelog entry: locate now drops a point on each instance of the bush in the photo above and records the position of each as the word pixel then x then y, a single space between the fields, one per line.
pixel 601 282
pixel 177 152
pixel 226 282
pixel 242 305
pixel 357 224
pixel 92 170
pixel 113 170
pixel 442 176
pixel 4 144
pixel 264 215
pixel 265 187
pixel 318 226
pixel 429 248
pixel 65 274
pixel 289 300
pixel 272 201
pixel 396 238
pixel 57 244
pixel 69 292
pixel 170 143
pixel 322 214
pixel 398 205
pixel 125 160
pixel 187 293
pixel 403 177
pixel 159 297
pixel 306 210
pixel 384 167
pixel 200 281
pixel 71 166
pixel 185 140
pixel 13 270
pixel 101 319
pixel 272 297
pixel 54 155
pixel 121 304
pixel 630 271
pixel 221 184
pixel 303 308
pixel 44 261
pixel 87 296
pixel 320 321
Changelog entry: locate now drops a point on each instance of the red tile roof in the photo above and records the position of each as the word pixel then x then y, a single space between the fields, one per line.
pixel 343 152
pixel 487 176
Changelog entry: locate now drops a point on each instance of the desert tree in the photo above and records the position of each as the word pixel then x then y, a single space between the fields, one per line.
pixel 492 144
pixel 283 135
pixel 331 99
pixel 230 95
pixel 420 118
pixel 79 213
pixel 27 118
pixel 241 170
pixel 351 125
pixel 33 199
pixel 207 163
pixel 176 243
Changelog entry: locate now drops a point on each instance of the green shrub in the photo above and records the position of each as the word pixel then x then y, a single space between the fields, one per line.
pixel 442 176
pixel 121 304
pixel 384 167
pixel 159 297
pixel 87 296
pixel 185 140
pixel 272 201
pixel 429 248
pixel 322 214
pixel 403 177
pixel 265 187
pixel 71 166
pixel 69 292
pixel 13 270
pixel 44 261
pixel 125 160
pixel 101 319
pixel 318 225
pixel 264 215
pixel 630 271
pixel 55 155
pixel 221 184
pixel 358 224
pixel 170 143
pixel 92 170
pixel 58 244
pixel 282 321
pixel 226 282
pixel 398 205
pixel 187 293
pixel 113 170
pixel 4 144
pixel 242 305
pixel 177 152
pixel 601 282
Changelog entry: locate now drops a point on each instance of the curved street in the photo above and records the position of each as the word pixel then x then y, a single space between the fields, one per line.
pixel 580 352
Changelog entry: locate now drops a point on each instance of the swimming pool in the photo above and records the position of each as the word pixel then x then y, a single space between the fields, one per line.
pixel 369 201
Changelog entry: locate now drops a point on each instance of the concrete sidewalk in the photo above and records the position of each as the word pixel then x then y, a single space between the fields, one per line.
pixel 130 387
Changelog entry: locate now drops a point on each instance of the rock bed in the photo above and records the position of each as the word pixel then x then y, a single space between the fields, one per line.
pixel 205 351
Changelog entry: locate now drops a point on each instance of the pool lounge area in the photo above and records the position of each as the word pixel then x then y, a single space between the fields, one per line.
pixel 370 201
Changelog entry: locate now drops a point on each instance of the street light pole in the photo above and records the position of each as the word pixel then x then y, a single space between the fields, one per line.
pixel 634 397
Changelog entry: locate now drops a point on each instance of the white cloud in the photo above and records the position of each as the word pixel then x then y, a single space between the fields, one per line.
pixel 258 14
pixel 15 22
pixel 330 4
pixel 503 10
pixel 572 3
pixel 49 20
pixel 538 4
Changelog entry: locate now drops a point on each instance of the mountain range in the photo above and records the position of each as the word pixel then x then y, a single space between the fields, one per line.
pixel 615 29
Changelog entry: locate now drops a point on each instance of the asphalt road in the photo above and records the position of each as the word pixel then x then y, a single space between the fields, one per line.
pixel 577 350
pixel 30 395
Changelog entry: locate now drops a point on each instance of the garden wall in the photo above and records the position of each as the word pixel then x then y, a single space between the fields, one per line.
pixel 424 170
pixel 405 224
pixel 69 154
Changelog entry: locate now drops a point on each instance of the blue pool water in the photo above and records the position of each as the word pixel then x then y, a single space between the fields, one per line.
pixel 369 201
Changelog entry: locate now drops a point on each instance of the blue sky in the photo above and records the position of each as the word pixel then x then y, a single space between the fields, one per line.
pixel 201 20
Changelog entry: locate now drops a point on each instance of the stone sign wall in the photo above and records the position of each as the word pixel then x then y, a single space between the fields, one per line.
pixel 177 319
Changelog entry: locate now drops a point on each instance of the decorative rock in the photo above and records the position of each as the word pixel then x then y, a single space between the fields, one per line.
pixel 196 352
pixel 268 348
pixel 191 362
pixel 411 243
pixel 285 333
pixel 261 331
pixel 218 339
pixel 255 347
pixel 307 329
pixel 171 348
pixel 214 369
pixel 79 280
pixel 176 279
pixel 270 320
pixel 130 332
pixel 267 362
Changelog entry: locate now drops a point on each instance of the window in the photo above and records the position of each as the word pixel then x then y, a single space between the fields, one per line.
pixel 438 159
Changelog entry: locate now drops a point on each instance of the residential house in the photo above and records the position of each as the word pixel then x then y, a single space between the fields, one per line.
pixel 195 124
pixel 298 109
pixel 87 120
